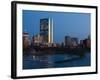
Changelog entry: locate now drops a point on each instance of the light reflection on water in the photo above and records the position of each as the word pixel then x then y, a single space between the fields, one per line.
pixel 54 61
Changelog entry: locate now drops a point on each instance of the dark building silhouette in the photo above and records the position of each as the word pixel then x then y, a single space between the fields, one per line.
pixel 87 43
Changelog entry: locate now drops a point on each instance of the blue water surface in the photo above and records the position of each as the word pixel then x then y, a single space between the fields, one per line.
pixel 55 61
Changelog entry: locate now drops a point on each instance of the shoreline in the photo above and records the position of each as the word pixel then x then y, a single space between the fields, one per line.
pixel 50 50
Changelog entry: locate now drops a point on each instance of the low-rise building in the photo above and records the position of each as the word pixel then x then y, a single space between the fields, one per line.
pixel 26 40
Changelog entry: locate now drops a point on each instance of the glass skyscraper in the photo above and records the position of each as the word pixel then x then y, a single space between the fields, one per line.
pixel 46 30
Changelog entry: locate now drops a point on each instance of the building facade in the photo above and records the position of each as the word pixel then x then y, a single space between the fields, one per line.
pixel 68 41
pixel 26 40
pixel 46 30
pixel 71 41
pixel 74 42
pixel 38 39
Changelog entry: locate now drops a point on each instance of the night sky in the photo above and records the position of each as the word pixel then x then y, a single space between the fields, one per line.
pixel 65 23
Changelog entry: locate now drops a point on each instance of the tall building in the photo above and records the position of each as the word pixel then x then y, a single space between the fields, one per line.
pixel 46 30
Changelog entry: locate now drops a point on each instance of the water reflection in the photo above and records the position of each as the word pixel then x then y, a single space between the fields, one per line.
pixel 46 60
pixel 54 60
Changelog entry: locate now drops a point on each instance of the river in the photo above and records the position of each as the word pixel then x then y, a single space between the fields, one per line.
pixel 55 61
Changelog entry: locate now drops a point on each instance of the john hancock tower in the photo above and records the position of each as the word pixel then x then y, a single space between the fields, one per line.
pixel 46 30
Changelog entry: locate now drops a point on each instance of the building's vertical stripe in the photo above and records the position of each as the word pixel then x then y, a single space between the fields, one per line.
pixel 49 31
pixel 52 31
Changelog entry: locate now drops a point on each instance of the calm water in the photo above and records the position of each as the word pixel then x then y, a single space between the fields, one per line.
pixel 55 60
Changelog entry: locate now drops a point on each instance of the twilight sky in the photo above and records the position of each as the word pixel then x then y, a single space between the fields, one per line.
pixel 65 23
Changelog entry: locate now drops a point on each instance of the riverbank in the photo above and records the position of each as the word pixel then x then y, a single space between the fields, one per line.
pixel 55 50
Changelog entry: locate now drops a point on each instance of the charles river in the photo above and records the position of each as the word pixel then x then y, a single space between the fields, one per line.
pixel 55 61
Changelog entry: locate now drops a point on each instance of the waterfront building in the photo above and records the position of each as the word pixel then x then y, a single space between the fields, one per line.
pixel 68 41
pixel 49 44
pixel 38 39
pixel 71 42
pixel 81 44
pixel 87 43
pixel 46 30
pixel 26 40
pixel 74 42
pixel 55 45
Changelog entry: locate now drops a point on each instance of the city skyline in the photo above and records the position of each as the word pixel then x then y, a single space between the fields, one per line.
pixel 31 24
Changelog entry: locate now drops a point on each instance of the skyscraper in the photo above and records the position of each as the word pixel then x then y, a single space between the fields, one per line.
pixel 46 29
